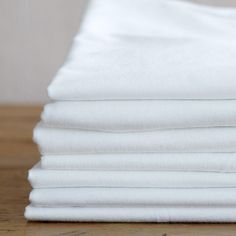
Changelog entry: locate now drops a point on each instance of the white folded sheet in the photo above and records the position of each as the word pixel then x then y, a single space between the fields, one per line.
pixel 71 141
pixel 125 116
pixel 129 214
pixel 41 178
pixel 221 162
pixel 133 197
pixel 161 50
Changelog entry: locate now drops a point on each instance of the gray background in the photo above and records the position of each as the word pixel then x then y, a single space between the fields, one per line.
pixel 35 36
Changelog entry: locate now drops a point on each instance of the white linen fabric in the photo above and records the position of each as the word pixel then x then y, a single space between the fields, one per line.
pixel 143 123
pixel 127 116
pixel 41 178
pixel 72 141
pixel 135 214
pixel 161 50
pixel 221 162
pixel 133 197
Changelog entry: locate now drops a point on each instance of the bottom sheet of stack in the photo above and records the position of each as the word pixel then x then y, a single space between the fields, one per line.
pixel 132 195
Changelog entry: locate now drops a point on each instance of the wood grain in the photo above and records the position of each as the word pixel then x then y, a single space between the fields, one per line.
pixel 18 154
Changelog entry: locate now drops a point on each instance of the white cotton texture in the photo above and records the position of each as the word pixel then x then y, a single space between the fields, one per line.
pixel 156 50
pixel 53 141
pixel 221 162
pixel 141 126
pixel 139 115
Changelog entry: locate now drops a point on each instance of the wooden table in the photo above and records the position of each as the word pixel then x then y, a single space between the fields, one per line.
pixel 18 154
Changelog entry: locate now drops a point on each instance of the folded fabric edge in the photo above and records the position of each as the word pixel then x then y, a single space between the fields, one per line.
pixel 162 214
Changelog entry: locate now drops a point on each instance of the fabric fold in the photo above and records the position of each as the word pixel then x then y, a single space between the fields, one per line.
pixel 221 162
pixel 128 116
pixel 73 141
pixel 133 197
pixel 41 178
pixel 127 214
pixel 167 50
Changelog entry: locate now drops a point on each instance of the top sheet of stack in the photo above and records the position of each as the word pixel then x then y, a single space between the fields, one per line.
pixel 152 49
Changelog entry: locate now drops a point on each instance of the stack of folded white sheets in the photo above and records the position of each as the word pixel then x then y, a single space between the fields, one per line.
pixel 142 126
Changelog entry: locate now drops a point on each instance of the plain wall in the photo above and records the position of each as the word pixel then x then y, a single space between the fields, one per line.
pixel 35 36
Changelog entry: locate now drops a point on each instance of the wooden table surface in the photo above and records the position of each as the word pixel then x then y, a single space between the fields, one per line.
pixel 18 154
